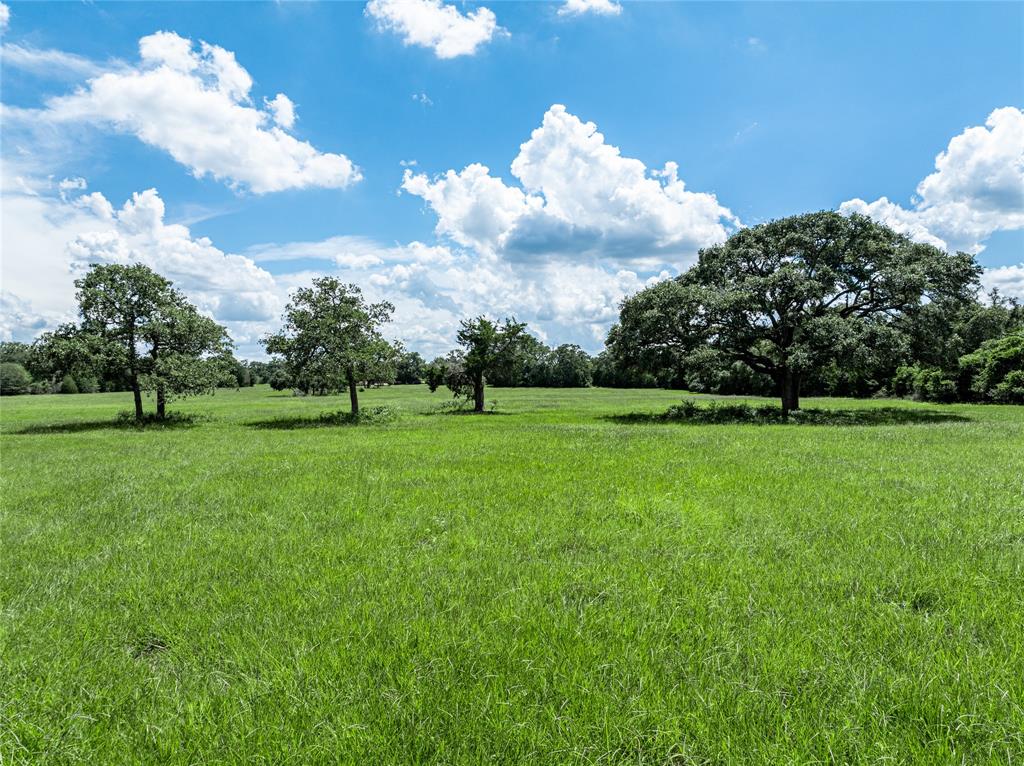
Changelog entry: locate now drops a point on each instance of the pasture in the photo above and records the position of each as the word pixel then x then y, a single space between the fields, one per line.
pixel 564 581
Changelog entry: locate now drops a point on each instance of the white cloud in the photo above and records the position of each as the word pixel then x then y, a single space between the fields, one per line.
pixel 5 16
pixel 67 185
pixel 1009 280
pixel 283 110
pixel 230 287
pixel 579 7
pixel 49 240
pixel 976 190
pixel 433 24
pixel 52 63
pixel 578 195
pixel 196 105
pixel 422 98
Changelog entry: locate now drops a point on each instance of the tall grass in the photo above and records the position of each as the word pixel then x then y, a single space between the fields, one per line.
pixel 574 579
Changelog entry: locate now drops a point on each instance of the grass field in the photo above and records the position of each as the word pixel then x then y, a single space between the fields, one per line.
pixel 551 584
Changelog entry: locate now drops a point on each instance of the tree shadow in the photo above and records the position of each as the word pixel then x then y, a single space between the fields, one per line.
pixel 741 414
pixel 366 417
pixel 172 422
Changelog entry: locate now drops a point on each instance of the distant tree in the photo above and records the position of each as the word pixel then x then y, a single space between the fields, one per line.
pixel 331 338
pixel 488 348
pixel 136 326
pixel 280 380
pixel 14 379
pixel 18 353
pixel 787 298
pixel 434 373
pixel 571 367
pixel 410 368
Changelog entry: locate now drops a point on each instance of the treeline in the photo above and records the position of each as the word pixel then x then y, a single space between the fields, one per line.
pixel 816 304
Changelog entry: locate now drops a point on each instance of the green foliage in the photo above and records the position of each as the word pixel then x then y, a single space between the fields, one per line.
pixel 789 297
pixel 995 371
pixel 14 379
pixel 136 327
pixel 16 353
pixel 410 368
pixel 489 348
pixel 87 384
pixel 280 380
pixel 331 339
pixel 68 385
pixel 434 373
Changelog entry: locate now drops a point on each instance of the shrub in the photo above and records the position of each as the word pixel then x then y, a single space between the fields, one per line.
pixel 68 385
pixel 1010 390
pixel 926 384
pixel 87 384
pixel 14 379
pixel 40 387
pixel 280 380
pixel 995 370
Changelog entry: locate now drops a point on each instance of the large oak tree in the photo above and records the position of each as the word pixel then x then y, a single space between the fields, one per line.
pixel 788 297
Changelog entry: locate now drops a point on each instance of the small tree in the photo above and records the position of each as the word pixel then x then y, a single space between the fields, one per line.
pixel 14 379
pixel 488 348
pixel 331 338
pixel 136 326
pixel 788 297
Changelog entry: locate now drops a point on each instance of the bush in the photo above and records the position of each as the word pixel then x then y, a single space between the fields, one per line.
pixel 68 385
pixel 926 384
pixel 1010 390
pixel 87 384
pixel 40 387
pixel 280 380
pixel 14 379
pixel 994 372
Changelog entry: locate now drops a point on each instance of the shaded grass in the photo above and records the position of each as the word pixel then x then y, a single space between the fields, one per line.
pixel 715 413
pixel 548 587
pixel 123 421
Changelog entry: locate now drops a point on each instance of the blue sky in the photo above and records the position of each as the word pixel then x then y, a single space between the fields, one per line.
pixel 773 109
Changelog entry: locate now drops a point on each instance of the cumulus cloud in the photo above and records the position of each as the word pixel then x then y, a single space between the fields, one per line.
pixel 435 25
pixel 195 103
pixel 578 195
pixel 976 190
pixel 5 16
pixel 50 239
pixel 580 7
pixel 230 287
pixel 1009 280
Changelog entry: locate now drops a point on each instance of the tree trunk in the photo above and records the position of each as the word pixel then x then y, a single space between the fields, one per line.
pixel 478 393
pixel 161 401
pixel 353 393
pixel 790 392
pixel 137 393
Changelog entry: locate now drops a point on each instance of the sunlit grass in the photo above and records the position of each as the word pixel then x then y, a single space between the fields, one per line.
pixel 568 580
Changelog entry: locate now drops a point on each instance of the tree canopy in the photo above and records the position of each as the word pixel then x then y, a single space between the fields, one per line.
pixel 136 326
pixel 331 339
pixel 787 298
pixel 488 348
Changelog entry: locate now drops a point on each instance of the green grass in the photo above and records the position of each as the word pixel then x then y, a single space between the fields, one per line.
pixel 569 580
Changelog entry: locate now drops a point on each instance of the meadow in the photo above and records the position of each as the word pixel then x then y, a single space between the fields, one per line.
pixel 566 580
